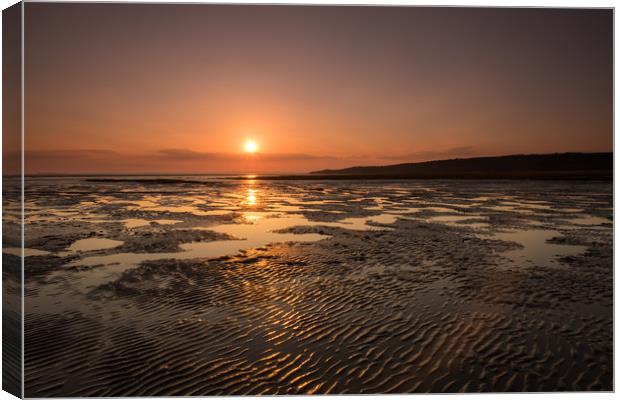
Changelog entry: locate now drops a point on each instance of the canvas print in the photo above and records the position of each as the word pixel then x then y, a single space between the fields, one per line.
pixel 204 199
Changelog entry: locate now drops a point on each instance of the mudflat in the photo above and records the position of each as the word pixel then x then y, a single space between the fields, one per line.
pixel 225 286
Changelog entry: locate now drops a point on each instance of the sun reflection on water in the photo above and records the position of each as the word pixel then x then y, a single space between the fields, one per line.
pixel 250 198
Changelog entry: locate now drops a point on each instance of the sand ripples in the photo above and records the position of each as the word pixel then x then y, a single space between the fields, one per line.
pixel 295 319
pixel 419 307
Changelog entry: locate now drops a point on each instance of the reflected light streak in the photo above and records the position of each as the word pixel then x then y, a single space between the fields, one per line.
pixel 251 197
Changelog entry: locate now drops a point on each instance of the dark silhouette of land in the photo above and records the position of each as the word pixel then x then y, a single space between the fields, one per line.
pixel 570 166
pixel 532 166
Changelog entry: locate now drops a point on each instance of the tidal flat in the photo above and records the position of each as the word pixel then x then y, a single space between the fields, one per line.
pixel 223 287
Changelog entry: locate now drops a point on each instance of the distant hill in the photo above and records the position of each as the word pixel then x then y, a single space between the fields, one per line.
pixel 543 166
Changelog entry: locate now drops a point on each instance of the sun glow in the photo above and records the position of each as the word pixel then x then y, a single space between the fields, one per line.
pixel 250 146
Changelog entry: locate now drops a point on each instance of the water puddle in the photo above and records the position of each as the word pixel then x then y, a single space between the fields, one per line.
pixel 136 222
pixel 569 210
pixel 433 209
pixel 458 220
pixel 150 205
pixel 16 251
pixel 215 212
pixel 589 221
pixel 259 229
pixel 92 244
pixel 537 251
pixel 256 232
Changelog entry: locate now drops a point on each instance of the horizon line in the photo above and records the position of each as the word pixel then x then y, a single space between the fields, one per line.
pixel 245 174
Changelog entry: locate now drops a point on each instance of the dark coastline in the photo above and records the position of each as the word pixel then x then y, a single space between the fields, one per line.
pixel 602 175
pixel 558 166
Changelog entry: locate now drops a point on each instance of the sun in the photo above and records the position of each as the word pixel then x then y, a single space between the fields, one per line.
pixel 250 146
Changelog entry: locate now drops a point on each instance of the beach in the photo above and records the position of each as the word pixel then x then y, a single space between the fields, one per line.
pixel 216 286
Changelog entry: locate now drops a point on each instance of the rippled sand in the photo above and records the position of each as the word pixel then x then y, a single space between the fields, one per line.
pixel 247 287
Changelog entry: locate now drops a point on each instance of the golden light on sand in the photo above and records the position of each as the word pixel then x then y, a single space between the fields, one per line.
pixel 252 217
pixel 250 146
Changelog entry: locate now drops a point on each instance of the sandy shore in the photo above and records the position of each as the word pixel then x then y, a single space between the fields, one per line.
pixel 406 287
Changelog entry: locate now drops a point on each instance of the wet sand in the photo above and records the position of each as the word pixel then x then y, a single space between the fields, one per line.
pixel 264 287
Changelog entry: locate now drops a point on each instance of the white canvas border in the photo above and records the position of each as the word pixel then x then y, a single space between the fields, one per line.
pixel 479 3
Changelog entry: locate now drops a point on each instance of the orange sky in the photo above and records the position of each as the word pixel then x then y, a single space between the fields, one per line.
pixel 177 88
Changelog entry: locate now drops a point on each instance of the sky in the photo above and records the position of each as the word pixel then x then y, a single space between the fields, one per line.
pixel 178 88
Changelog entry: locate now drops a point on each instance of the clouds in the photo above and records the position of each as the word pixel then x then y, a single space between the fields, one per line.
pixel 182 161
pixel 64 154
pixel 190 155
pixel 85 161
pixel 104 161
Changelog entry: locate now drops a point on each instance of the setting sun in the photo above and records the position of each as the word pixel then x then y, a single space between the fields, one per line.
pixel 250 146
